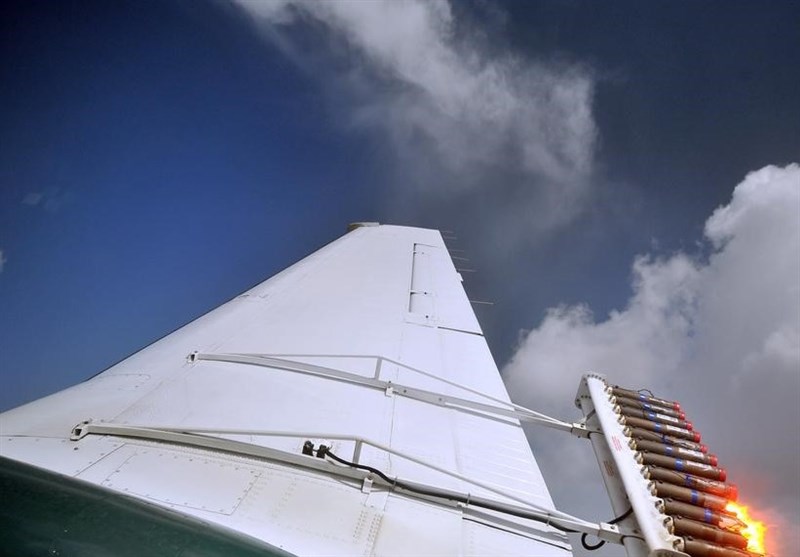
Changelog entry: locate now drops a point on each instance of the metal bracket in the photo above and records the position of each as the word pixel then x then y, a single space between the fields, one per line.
pixel 580 430
pixel 80 431
pixel 366 486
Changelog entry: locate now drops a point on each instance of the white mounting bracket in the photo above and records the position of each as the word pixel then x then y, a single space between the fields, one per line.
pixel 622 475
pixel 366 486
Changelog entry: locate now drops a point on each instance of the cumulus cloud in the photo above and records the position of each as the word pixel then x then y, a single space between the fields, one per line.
pixel 721 334
pixel 455 111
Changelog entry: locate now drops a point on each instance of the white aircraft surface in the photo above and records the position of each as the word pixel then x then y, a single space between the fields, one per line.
pixel 347 406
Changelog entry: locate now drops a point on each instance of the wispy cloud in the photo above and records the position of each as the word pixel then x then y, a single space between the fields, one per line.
pixel 722 335
pixel 50 199
pixel 32 199
pixel 458 114
pixel 3 260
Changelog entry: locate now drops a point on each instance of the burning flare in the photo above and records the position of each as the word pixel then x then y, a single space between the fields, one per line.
pixel 754 532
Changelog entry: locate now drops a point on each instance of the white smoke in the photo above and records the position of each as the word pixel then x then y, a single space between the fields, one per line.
pixel 454 111
pixel 722 336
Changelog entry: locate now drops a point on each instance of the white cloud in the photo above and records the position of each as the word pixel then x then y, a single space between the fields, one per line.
pixel 454 112
pixel 3 260
pixel 722 336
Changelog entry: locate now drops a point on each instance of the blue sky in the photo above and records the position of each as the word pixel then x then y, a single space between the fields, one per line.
pixel 156 159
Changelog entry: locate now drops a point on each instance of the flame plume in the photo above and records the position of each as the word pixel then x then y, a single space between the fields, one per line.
pixel 755 531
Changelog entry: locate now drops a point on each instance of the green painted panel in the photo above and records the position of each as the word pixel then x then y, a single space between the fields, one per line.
pixel 44 513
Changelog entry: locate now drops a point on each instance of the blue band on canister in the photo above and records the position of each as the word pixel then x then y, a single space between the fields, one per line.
pixel 708 515
pixel 695 497
pixel 678 464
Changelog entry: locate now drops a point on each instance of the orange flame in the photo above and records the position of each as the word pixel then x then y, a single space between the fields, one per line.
pixel 755 531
